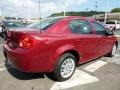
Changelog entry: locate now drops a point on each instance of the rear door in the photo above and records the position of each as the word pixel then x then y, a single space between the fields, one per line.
pixel 84 40
pixel 105 42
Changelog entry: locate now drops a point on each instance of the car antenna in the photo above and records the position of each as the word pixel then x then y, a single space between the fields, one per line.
pixel 39 13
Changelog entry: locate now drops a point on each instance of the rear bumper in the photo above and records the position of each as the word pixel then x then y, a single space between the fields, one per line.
pixel 25 60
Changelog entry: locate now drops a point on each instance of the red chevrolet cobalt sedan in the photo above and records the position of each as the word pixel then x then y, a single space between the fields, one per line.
pixel 58 45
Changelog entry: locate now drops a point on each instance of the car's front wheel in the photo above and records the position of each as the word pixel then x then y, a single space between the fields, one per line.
pixel 113 52
pixel 65 67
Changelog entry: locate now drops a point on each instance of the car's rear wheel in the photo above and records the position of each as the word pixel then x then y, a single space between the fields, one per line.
pixel 65 67
pixel 113 52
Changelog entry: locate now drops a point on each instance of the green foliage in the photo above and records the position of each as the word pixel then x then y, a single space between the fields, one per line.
pixel 82 13
pixel 115 10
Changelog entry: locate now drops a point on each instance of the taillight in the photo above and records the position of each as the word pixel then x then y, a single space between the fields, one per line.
pixel 26 42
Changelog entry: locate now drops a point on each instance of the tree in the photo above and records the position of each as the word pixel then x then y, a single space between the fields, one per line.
pixel 115 10
pixel 79 13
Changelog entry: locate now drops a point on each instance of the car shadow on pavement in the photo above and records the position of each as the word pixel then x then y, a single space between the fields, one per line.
pixel 26 76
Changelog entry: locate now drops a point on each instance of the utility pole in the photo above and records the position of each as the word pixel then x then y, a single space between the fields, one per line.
pixel 106 12
pixel 64 6
pixel 39 10
pixel 96 7
pixel 39 13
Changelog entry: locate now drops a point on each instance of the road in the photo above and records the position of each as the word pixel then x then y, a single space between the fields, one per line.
pixel 100 74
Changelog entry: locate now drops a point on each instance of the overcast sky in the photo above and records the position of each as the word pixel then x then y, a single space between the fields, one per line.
pixel 30 8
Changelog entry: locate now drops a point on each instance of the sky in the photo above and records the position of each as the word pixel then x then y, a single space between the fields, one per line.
pixel 30 8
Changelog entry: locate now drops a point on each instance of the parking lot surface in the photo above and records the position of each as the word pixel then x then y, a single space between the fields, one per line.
pixel 100 74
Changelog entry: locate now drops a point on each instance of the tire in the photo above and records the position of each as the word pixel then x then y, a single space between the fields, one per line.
pixel 65 67
pixel 113 52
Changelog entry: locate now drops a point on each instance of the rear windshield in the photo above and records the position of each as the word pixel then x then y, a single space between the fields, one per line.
pixel 43 24
pixel 110 22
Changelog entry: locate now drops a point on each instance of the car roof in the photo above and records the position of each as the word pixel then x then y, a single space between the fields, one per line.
pixel 79 17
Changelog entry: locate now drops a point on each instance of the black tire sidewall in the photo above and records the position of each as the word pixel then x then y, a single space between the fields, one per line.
pixel 61 59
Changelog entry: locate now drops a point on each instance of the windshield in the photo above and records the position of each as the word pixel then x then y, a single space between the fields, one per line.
pixel 43 24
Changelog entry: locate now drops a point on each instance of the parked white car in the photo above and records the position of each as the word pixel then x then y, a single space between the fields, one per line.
pixel 113 25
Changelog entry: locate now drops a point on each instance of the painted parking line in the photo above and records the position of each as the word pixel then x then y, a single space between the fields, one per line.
pixel 2 64
pixel 1 45
pixel 115 59
pixel 3 69
pixel 117 35
pixel 95 66
pixel 79 78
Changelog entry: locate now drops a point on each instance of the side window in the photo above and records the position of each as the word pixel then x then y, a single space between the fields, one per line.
pixel 118 22
pixel 110 22
pixel 80 27
pixel 100 30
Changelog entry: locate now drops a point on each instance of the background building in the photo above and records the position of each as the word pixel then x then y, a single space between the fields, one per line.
pixel 110 16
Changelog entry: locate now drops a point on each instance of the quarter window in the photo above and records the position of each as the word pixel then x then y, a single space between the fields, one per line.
pixel 80 27
pixel 43 24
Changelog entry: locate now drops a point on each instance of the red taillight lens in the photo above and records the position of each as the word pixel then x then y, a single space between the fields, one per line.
pixel 26 42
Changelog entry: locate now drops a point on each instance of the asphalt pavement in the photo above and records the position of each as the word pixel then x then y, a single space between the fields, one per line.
pixel 100 74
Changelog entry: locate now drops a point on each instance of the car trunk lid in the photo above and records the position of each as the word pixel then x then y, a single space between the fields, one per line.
pixel 14 35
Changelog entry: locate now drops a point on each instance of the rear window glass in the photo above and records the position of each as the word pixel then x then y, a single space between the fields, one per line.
pixel 110 22
pixel 43 24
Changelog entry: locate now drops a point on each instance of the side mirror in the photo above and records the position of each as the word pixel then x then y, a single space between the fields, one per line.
pixel 109 32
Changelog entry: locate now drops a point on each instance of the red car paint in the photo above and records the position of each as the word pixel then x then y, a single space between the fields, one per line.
pixel 52 43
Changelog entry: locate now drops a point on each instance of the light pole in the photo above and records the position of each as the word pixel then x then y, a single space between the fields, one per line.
pixel 106 12
pixel 64 6
pixel 39 9
pixel 96 7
